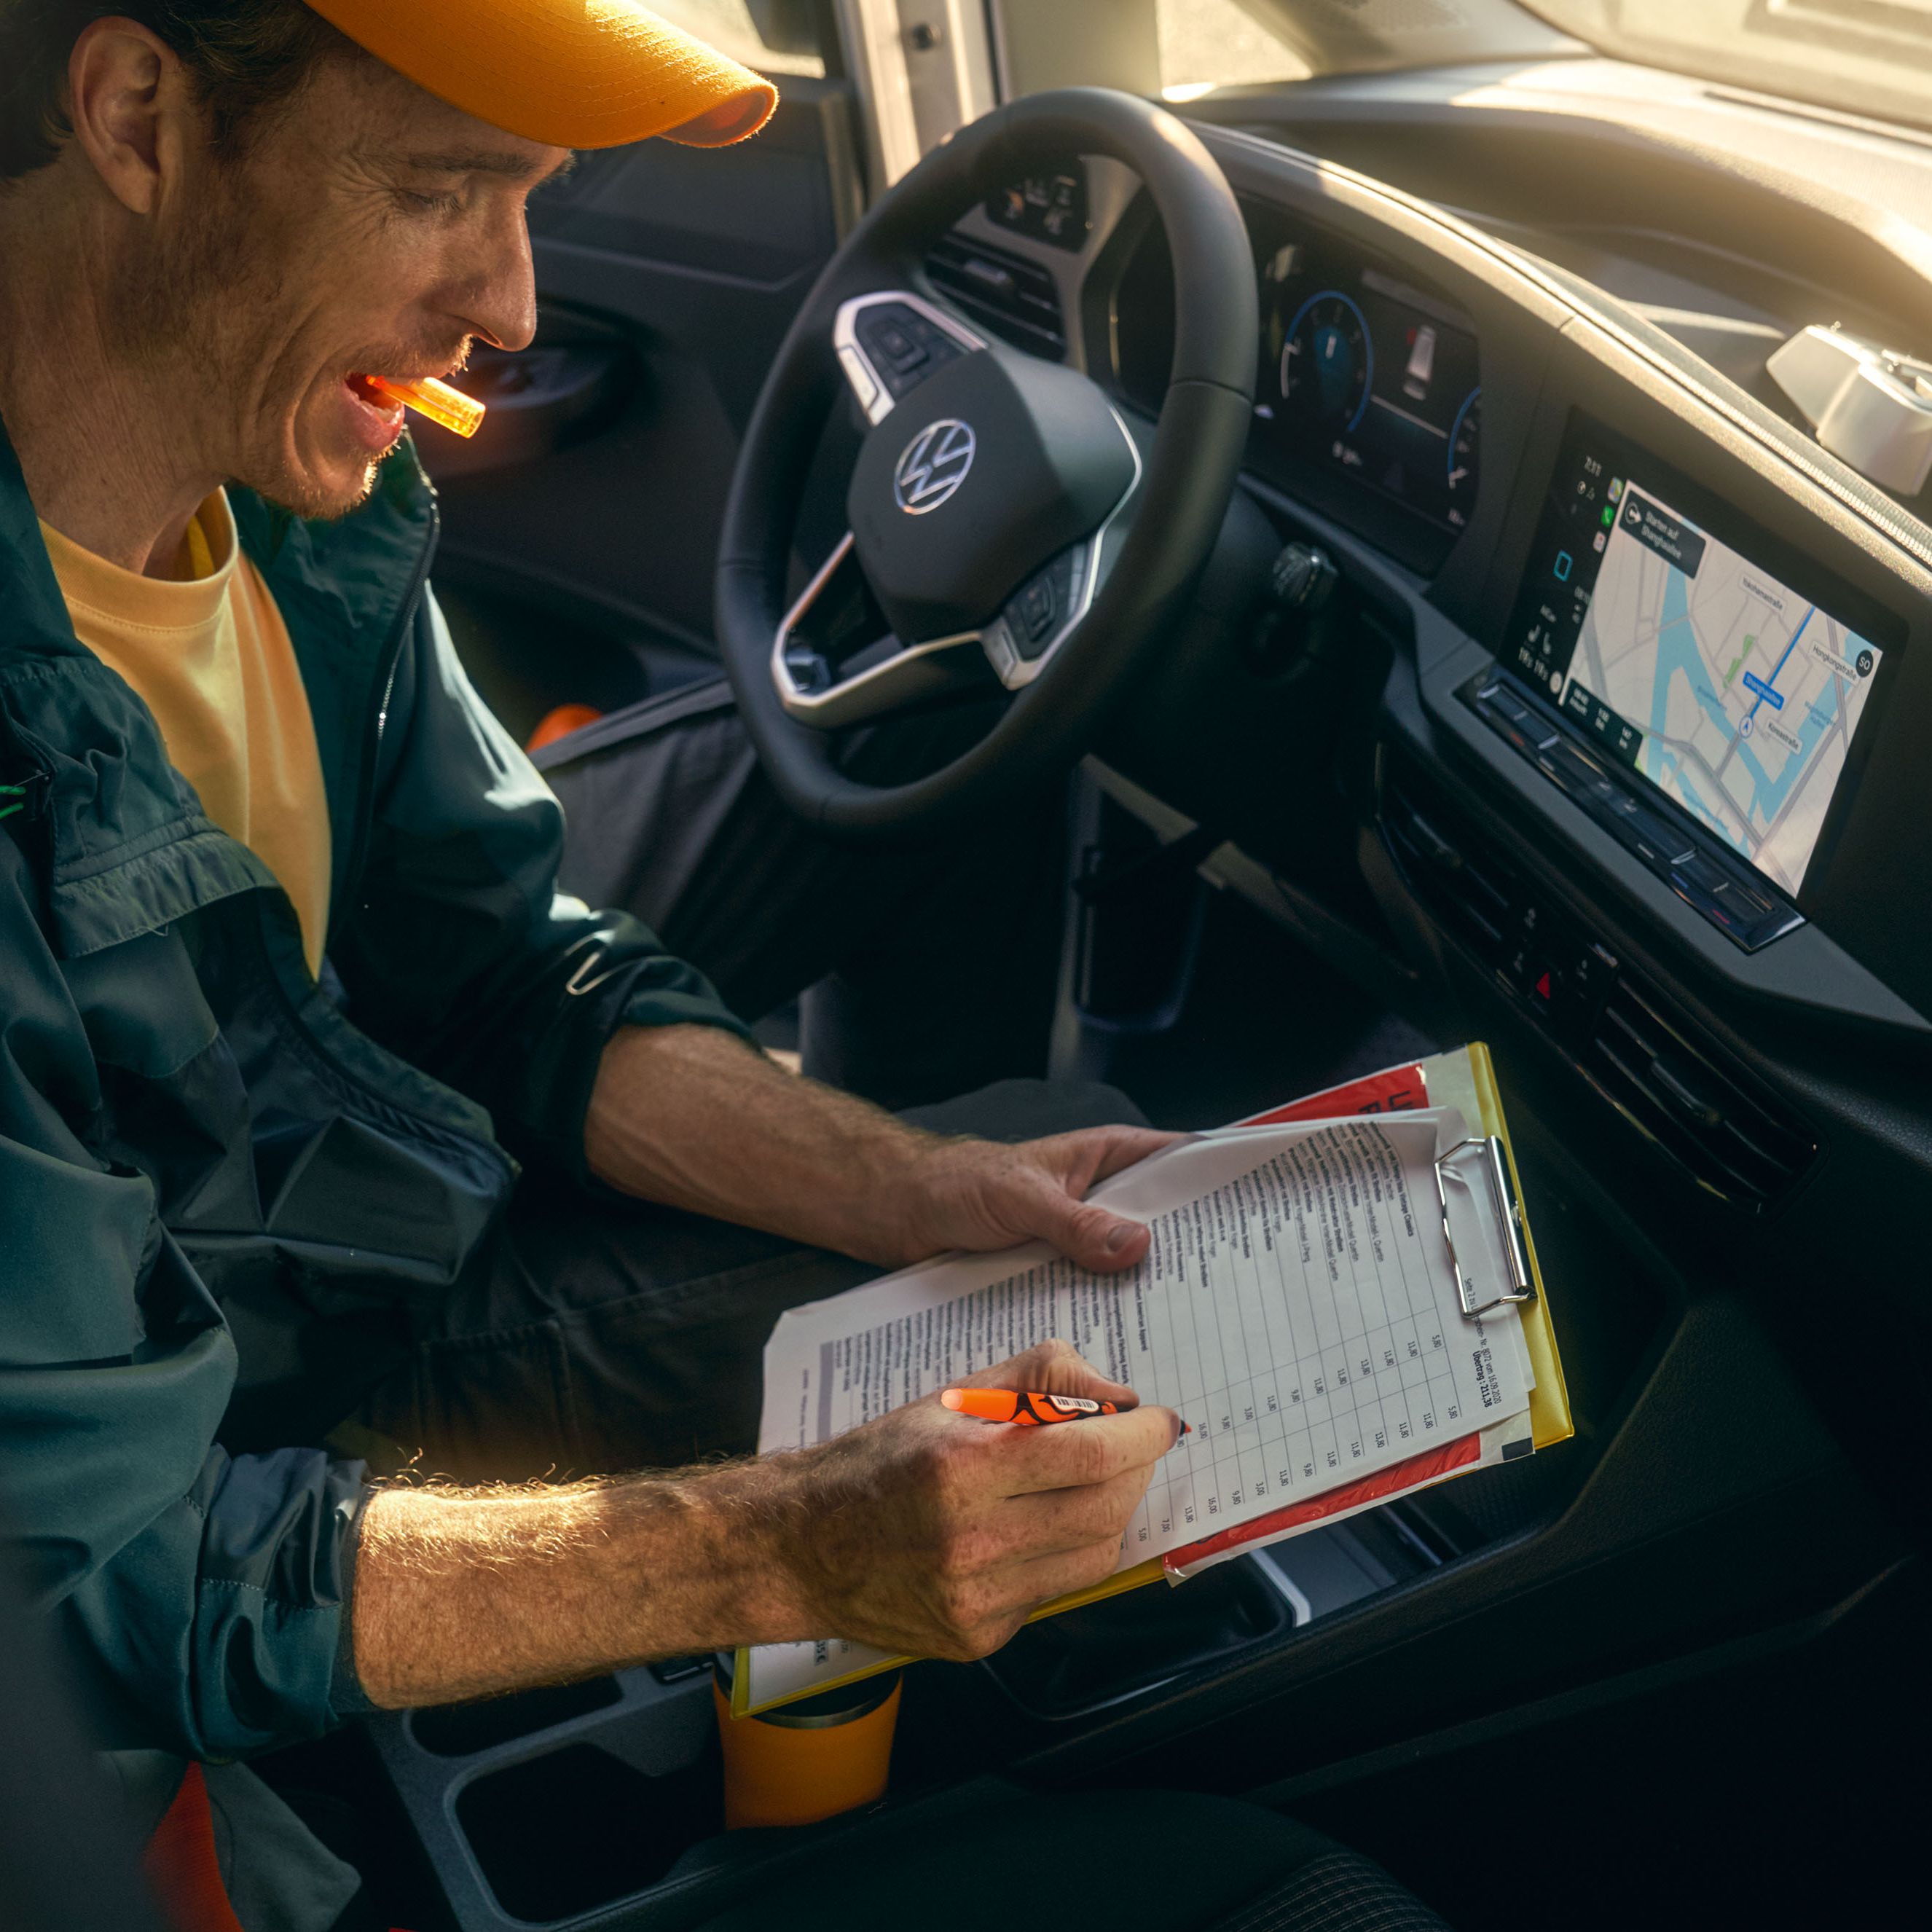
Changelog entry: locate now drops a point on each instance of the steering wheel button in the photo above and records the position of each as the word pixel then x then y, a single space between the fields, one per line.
pixel 1039 606
pixel 901 350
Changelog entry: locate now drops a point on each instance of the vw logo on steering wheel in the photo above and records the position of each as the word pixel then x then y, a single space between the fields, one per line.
pixel 933 465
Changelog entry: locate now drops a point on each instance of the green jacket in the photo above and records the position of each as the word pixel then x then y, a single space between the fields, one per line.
pixel 206 1160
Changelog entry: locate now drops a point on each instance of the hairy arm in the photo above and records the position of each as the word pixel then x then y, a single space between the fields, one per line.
pixel 692 1118
pixel 922 1532
pixel 461 1593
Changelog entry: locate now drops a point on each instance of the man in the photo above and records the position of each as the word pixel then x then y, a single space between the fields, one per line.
pixel 279 922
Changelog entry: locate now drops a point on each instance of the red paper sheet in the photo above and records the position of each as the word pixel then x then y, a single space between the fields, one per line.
pixel 1426 1468
pixel 1396 1090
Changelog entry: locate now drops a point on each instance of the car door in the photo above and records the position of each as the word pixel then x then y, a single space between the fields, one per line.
pixel 580 526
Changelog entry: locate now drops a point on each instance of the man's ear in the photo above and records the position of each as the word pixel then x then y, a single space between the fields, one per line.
pixel 132 110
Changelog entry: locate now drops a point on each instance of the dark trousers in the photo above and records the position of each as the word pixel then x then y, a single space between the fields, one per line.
pixel 604 1334
pixel 925 970
pixel 608 1335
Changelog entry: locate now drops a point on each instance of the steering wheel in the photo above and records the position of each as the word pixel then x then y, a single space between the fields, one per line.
pixel 1009 529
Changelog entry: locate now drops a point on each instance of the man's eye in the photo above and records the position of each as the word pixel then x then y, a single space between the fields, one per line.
pixel 430 204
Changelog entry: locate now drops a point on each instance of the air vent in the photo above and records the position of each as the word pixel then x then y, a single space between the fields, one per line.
pixel 1476 898
pixel 1018 299
pixel 1733 1138
pixel 1683 1093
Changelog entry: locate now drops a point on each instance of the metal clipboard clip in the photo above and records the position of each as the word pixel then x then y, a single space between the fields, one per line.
pixel 1488 1150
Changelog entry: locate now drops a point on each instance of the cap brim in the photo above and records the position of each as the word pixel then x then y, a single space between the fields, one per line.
pixel 571 73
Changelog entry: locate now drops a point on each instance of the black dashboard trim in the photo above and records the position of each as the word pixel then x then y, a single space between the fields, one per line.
pixel 1579 304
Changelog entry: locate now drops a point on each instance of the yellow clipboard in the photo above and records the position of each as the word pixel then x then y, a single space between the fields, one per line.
pixel 1550 1419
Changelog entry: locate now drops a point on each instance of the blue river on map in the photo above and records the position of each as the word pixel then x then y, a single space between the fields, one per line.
pixel 1677 651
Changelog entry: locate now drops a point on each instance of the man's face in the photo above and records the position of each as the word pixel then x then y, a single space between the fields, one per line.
pixel 368 229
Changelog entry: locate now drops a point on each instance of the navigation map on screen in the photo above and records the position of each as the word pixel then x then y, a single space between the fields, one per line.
pixel 1731 693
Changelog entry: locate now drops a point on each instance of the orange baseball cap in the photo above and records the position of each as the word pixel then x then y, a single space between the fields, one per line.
pixel 571 73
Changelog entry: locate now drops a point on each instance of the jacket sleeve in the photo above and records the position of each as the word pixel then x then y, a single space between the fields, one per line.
pixel 461 952
pixel 200 1596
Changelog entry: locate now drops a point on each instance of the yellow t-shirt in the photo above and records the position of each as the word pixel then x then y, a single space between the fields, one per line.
pixel 211 659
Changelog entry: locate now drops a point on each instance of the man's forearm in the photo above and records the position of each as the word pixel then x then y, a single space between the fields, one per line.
pixel 918 1531
pixel 465 1593
pixel 691 1117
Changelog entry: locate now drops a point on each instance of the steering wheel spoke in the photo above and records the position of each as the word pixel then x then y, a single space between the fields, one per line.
pixel 1047 609
pixel 890 341
pixel 836 662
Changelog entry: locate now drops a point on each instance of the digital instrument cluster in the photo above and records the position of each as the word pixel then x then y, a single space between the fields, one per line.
pixel 1365 376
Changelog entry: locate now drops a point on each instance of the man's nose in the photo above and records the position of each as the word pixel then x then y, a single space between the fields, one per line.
pixel 499 303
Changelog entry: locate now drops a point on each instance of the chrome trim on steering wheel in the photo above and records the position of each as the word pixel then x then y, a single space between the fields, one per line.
pixel 902 678
pixel 868 385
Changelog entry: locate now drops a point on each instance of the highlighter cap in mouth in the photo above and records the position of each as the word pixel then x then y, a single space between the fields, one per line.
pixel 435 399
pixel 570 73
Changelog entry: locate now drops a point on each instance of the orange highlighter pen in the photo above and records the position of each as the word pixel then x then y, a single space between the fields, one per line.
pixel 1030 1407
pixel 435 399
pixel 1024 1406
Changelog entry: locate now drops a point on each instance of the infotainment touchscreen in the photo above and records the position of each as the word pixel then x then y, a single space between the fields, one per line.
pixel 1689 662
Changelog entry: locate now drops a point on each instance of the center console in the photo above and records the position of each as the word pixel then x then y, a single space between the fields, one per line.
pixel 601 1802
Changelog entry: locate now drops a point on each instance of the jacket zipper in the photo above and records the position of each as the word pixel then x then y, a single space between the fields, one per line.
pixel 372 743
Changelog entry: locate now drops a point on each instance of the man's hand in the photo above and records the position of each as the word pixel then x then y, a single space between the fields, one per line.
pixel 696 1119
pixel 981 1195
pixel 932 1534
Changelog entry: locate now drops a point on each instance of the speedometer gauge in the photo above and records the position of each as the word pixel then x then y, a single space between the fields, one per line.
pixel 1327 362
pixel 1464 450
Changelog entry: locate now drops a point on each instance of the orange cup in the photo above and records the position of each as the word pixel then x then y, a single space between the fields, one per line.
pixel 809 1760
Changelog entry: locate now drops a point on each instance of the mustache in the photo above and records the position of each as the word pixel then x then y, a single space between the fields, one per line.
pixel 413 364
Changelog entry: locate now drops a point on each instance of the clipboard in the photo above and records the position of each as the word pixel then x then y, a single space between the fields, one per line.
pixel 1465 1078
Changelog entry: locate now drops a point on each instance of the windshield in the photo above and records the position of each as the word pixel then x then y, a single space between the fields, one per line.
pixel 1871 57
pixel 1868 58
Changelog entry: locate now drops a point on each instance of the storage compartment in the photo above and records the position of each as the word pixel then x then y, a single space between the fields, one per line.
pixel 558 1835
pixel 1082 1661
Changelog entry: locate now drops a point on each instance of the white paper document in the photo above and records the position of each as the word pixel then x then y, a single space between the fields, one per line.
pixel 1296 1306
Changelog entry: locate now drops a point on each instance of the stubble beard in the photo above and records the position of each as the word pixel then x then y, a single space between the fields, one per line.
pixel 189 313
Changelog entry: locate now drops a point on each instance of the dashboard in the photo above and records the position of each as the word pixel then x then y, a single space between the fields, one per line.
pixel 1608 748
pixel 1698 683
